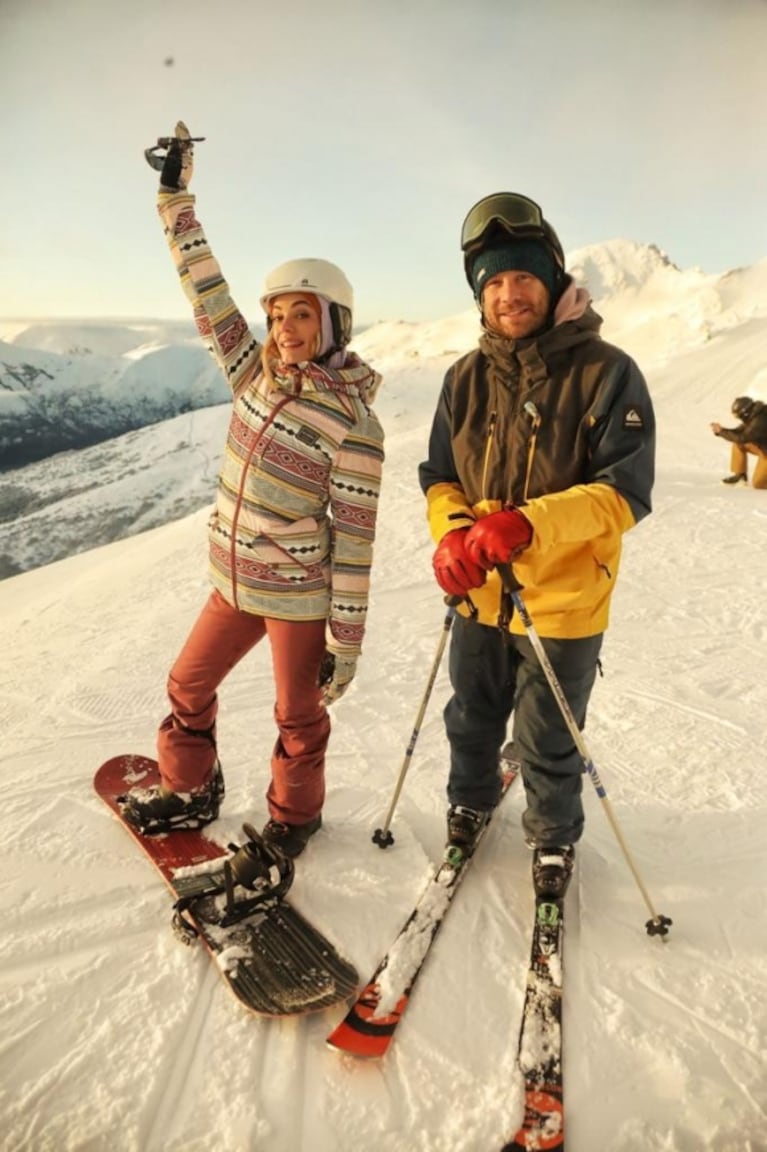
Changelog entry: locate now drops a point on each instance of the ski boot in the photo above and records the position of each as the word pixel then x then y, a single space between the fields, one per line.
pixel 552 869
pixel 463 828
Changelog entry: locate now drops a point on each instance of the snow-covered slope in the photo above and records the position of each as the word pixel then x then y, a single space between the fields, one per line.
pixel 117 1037
pixel 79 500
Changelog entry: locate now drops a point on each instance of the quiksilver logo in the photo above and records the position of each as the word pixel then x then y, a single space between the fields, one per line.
pixel 632 417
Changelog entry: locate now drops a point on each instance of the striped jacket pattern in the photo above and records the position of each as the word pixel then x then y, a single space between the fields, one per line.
pixel 292 533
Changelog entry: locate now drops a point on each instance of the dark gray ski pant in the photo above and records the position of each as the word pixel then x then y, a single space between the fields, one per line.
pixel 493 674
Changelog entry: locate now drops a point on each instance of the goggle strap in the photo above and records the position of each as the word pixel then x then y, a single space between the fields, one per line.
pixel 507 208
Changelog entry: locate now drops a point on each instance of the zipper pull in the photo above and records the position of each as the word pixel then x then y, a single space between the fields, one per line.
pixel 530 410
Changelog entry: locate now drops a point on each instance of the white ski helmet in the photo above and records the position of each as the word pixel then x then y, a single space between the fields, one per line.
pixel 322 279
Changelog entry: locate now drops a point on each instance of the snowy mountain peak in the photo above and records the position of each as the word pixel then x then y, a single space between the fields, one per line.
pixel 620 265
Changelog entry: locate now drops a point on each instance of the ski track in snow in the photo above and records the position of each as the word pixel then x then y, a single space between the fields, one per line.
pixel 117 1037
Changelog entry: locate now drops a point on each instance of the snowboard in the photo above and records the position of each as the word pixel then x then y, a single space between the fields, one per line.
pixel 274 960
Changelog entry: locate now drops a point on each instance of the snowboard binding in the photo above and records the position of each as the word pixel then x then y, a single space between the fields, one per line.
pixel 254 867
pixel 257 867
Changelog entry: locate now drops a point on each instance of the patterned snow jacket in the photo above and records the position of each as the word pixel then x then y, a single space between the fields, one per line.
pixel 562 425
pixel 751 431
pixel 292 533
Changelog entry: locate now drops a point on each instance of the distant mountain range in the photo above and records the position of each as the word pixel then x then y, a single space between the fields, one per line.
pixel 54 401
pixel 108 428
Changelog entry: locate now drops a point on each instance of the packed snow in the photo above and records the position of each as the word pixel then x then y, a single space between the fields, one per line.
pixel 115 1037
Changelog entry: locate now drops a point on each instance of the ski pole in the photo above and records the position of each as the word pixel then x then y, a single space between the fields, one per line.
pixel 658 925
pixel 382 836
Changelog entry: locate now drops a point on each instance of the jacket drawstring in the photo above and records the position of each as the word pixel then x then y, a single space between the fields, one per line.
pixel 488 450
pixel 238 503
pixel 530 410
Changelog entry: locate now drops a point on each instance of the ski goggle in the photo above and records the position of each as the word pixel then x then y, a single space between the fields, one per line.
pixel 515 214
pixel 505 208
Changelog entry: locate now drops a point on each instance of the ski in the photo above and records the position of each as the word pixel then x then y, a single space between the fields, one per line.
pixel 539 1054
pixel 370 1024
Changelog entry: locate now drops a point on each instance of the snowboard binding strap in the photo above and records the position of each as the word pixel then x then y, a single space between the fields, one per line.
pixel 255 866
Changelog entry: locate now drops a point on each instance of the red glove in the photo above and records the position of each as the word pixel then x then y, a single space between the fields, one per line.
pixel 456 573
pixel 498 538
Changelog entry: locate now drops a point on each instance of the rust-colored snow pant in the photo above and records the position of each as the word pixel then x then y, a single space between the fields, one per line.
pixel 739 463
pixel 219 639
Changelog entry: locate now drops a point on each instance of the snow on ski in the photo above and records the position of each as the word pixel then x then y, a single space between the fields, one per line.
pixel 370 1024
pixel 539 1055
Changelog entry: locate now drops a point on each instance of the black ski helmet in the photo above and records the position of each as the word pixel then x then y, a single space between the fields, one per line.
pixel 741 408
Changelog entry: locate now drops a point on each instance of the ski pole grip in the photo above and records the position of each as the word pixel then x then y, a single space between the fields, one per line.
pixel 508 579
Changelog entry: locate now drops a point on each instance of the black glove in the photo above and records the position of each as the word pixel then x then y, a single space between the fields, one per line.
pixel 170 175
pixel 177 164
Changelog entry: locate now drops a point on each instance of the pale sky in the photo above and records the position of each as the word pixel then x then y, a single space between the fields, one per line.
pixel 362 132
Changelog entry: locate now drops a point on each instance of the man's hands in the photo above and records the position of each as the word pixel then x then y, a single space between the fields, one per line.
pixel 454 569
pixel 336 674
pixel 498 538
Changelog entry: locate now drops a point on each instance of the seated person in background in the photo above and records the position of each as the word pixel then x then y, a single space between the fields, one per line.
pixel 750 436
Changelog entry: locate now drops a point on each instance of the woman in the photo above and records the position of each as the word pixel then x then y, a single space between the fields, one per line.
pixel 291 537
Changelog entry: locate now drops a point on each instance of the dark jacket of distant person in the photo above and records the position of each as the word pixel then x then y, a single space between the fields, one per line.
pixel 753 426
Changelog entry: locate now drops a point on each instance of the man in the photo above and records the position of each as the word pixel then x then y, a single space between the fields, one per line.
pixel 541 455
pixel 750 437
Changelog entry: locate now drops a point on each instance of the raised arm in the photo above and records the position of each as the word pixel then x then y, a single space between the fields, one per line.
pixel 218 319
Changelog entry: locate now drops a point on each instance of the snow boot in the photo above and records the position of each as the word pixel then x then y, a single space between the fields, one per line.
pixel 290 839
pixel 155 810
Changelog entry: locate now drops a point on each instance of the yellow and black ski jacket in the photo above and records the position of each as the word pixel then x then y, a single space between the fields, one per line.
pixel 562 426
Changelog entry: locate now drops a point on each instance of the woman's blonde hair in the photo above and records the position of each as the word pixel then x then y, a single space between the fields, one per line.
pixel 269 352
